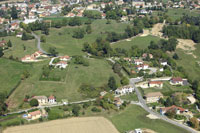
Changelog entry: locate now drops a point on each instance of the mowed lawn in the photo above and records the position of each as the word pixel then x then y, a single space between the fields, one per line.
pixel 135 117
pixel 141 42
pixel 97 74
pixel 18 45
pixel 11 72
pixel 64 42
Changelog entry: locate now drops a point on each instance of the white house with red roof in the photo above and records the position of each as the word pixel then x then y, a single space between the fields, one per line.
pixel 142 67
pixel 124 90
pixel 14 26
pixel 61 64
pixel 138 61
pixel 178 81
pixel 178 110
pixel 28 58
pixel 65 58
pixel 158 84
pixel 2 43
pixel 52 99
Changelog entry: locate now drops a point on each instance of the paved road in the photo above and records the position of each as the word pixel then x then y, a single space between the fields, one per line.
pixel 144 106
pixel 38 43
pixel 49 106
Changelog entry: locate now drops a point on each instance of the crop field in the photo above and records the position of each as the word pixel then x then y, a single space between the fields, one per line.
pixel 72 125
pixel 96 74
pixel 135 117
pixel 64 42
pixel 141 42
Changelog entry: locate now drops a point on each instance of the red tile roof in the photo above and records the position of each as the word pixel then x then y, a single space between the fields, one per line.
pixel 155 82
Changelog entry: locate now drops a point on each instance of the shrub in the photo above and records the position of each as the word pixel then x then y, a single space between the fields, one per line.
pixel 34 102
pixel 95 109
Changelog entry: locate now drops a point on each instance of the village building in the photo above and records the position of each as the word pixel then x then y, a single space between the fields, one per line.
pixel 2 43
pixel 28 58
pixel 157 84
pixel 191 99
pixel 142 67
pixel 153 97
pixel 118 102
pixel 178 110
pixel 42 100
pixel 52 99
pixel 178 81
pixel 19 34
pixel 124 90
pixel 138 62
pixel 163 62
pixel 64 58
pixel 34 115
pixel 61 64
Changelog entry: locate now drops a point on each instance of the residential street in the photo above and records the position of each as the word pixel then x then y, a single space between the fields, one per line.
pixel 38 43
pixel 145 107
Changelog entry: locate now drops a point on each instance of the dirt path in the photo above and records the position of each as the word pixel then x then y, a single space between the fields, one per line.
pixel 71 125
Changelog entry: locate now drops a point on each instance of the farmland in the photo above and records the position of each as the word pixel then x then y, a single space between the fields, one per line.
pixel 72 125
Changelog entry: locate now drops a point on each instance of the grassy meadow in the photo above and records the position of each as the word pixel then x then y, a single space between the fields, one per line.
pixel 96 74
pixel 135 117
pixel 64 42
pixel 141 42
pixel 19 47
pixel 11 72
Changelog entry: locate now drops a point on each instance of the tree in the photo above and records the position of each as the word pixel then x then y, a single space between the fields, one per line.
pixel 14 12
pixel 9 44
pixel 175 56
pixel 1 52
pixel 34 102
pixel 112 83
pixel 43 39
pixel 89 29
pixel 76 109
pixel 124 81
pixel 52 51
pixel 194 122
pixel 78 34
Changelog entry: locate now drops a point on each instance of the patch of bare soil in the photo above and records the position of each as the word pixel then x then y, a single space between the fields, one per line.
pixel 148 131
pixel 157 28
pixel 145 33
pixel 71 125
pixel 152 116
pixel 186 44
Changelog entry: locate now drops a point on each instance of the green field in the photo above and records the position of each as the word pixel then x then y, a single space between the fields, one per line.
pixel 178 13
pixel 135 117
pixel 97 74
pixel 65 44
pixel 17 49
pixel 141 42
pixel 167 89
pixel 11 72
pixel 189 63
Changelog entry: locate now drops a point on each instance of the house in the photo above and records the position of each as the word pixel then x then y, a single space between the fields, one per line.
pixel 124 90
pixel 145 55
pixel 163 62
pixel 118 102
pixel 19 34
pixel 158 84
pixel 37 54
pixel 34 115
pixel 142 67
pixel 191 99
pixel 138 130
pixel 42 100
pixel 14 26
pixel 127 59
pixel 138 61
pixel 178 81
pixel 61 64
pixel 103 93
pixel 2 43
pixel 138 3
pixel 65 58
pixel 51 99
pixel 28 58
pixel 178 110
pixel 153 97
